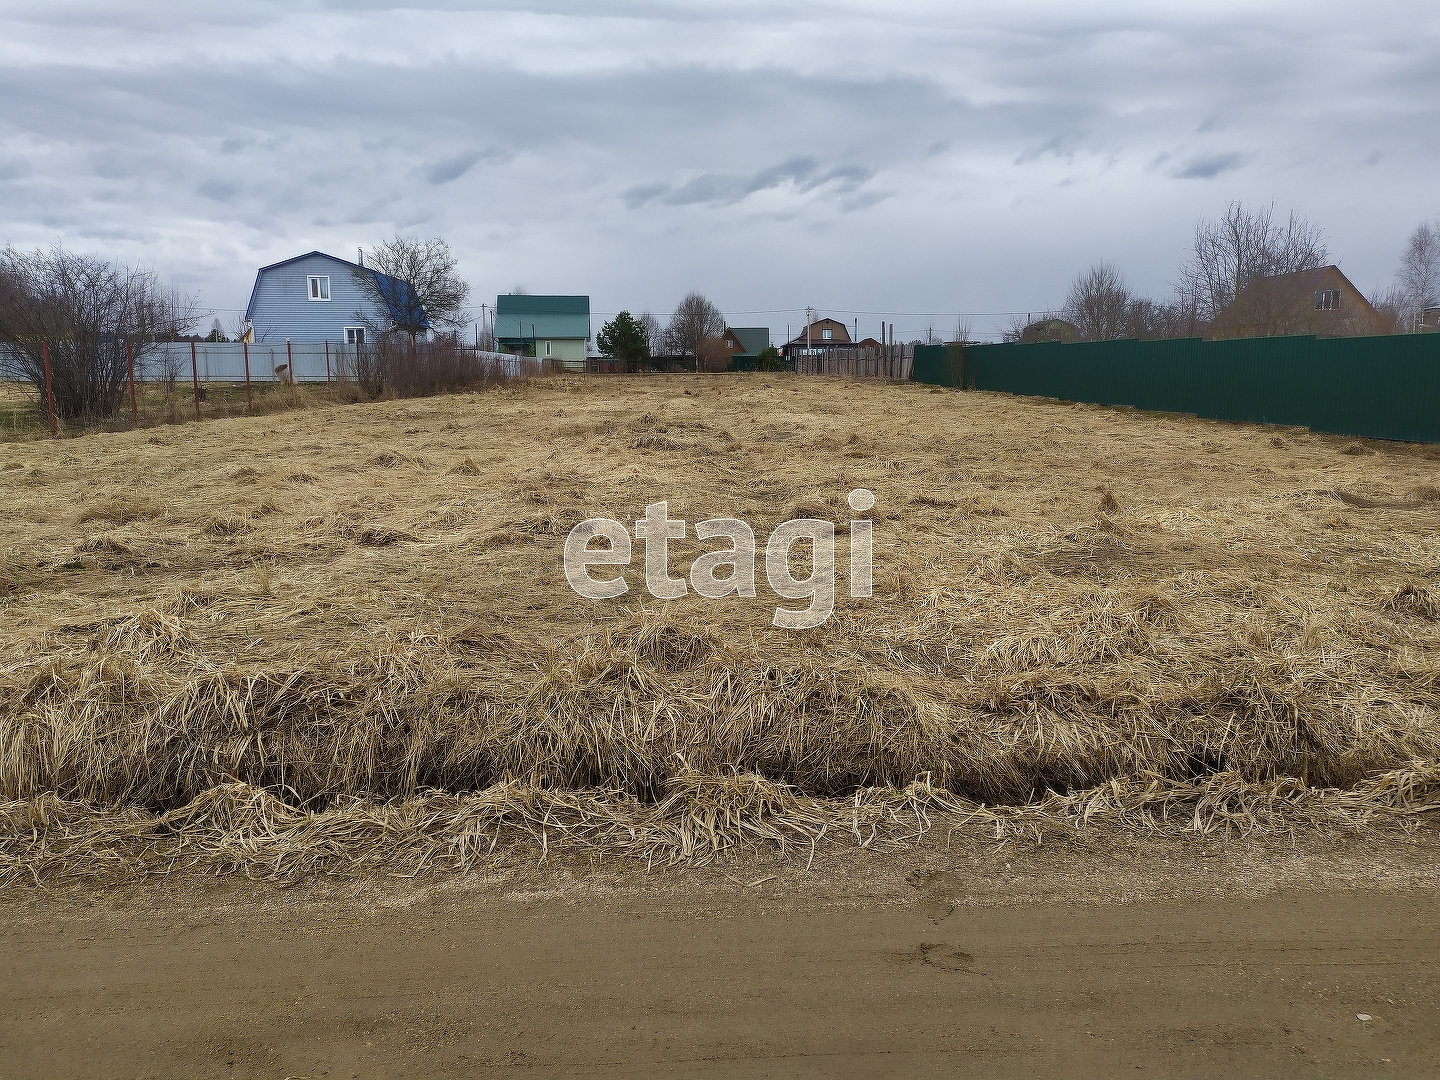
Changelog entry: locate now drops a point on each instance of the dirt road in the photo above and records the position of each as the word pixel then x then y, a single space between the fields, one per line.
pixel 518 983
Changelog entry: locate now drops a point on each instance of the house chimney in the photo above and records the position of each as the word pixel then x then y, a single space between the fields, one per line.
pixel 360 256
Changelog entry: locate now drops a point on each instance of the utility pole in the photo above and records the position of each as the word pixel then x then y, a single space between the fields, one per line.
pixel 809 321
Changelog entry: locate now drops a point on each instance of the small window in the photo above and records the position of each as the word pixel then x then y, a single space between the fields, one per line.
pixel 354 335
pixel 319 287
pixel 547 348
pixel 826 334
pixel 729 343
pixel 1327 300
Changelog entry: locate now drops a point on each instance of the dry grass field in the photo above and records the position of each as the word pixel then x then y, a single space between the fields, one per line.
pixel 342 637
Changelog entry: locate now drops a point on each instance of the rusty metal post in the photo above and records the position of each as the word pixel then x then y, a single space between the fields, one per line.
pixel 195 379
pixel 130 363
pixel 249 404
pixel 289 362
pixel 327 363
pixel 49 389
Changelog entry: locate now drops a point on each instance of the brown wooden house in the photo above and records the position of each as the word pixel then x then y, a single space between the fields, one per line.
pixel 824 334
pixel 1322 302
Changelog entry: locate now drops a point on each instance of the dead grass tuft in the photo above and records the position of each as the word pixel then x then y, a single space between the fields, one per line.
pixel 120 509
pixel 1414 600
pixel 102 545
pixel 224 526
pixel 381 536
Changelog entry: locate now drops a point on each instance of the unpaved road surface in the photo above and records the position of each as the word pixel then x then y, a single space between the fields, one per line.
pixel 543 983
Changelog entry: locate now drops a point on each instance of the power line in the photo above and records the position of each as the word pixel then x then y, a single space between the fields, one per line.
pixel 790 310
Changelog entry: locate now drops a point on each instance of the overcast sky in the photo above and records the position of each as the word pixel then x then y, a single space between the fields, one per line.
pixel 865 158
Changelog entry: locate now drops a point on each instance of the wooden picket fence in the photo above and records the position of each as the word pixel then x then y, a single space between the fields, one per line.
pixel 895 363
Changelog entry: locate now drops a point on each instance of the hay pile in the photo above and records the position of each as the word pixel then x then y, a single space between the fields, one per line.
pixel 349 642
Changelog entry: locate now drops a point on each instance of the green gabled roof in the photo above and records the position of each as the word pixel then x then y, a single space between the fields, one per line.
pixel 520 318
pixel 753 339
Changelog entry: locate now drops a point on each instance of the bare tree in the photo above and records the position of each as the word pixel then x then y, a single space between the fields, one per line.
pixel 1393 309
pixel 414 284
pixel 654 333
pixel 713 355
pixel 1153 320
pixel 1241 246
pixel 239 329
pixel 695 319
pixel 1099 304
pixel 1419 278
pixel 85 310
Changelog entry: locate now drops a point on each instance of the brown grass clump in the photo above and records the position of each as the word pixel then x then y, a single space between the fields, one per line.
pixel 1415 600
pixel 120 508
pixel 374 663
pixel 379 536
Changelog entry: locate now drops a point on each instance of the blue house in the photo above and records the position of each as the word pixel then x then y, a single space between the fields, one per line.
pixel 317 297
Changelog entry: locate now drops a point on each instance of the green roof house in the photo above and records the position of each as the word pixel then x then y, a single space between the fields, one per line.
pixel 745 344
pixel 553 327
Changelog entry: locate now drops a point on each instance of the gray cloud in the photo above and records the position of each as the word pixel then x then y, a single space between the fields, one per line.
pixel 653 147
pixel 452 169
pixel 219 190
pixel 803 174
pixel 1209 166
pixel 1063 147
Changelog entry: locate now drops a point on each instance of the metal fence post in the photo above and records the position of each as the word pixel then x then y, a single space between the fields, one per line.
pixel 289 362
pixel 130 363
pixel 49 390
pixel 195 379
pixel 249 402
pixel 327 363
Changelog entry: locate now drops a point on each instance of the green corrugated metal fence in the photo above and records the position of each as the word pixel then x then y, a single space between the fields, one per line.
pixel 940 365
pixel 1373 387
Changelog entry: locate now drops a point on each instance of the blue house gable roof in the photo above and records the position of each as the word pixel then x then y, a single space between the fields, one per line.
pixel 281 307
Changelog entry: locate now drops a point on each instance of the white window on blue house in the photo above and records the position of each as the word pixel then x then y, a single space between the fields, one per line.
pixel 319 286
pixel 354 335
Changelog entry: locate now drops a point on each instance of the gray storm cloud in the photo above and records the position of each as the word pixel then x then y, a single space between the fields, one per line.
pixel 904 157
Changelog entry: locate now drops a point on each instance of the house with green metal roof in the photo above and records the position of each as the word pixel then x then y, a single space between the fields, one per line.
pixel 548 327
pixel 745 344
